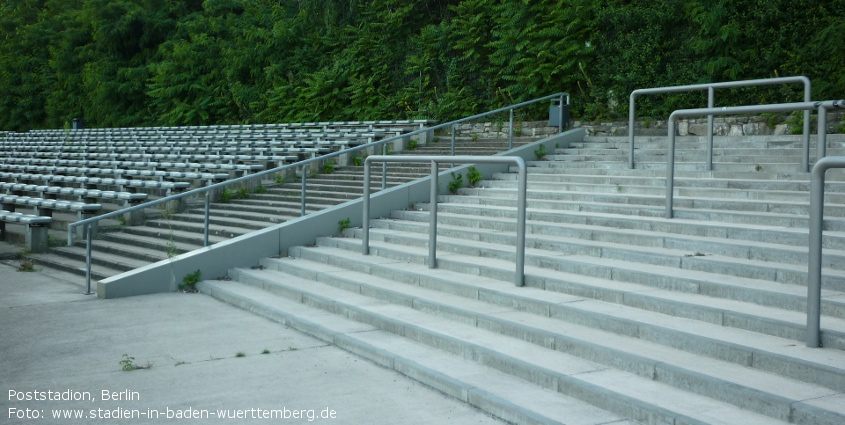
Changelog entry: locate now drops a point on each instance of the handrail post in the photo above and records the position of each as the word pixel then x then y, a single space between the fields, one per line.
pixel 384 168
pixel 808 97
pixel 631 113
pixel 814 263
pixel 711 103
pixel 207 223
pixel 510 131
pixel 432 218
pixel 304 190
pixel 453 141
pixel 88 248
pixel 821 134
pixel 522 205
pixel 560 124
pixel 365 222
pixel 670 168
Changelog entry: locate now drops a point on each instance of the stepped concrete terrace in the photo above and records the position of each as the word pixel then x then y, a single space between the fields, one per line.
pixel 626 317
pixel 118 249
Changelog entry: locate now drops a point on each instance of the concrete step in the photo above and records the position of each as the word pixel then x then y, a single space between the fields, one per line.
pixel 499 264
pixel 442 324
pixel 647 208
pixel 664 247
pixel 498 393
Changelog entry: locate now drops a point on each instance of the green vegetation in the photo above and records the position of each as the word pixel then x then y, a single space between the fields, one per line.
pixel 240 354
pixel 540 152
pixel 474 176
pixel 228 194
pixel 260 190
pixel 122 63
pixel 26 265
pixel 328 167
pixel 343 225
pixel 189 282
pixel 456 183
pixel 128 364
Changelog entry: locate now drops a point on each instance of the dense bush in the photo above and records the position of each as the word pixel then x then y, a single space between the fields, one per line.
pixel 191 62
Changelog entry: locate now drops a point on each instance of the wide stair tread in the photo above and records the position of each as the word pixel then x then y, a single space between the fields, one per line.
pixel 543 367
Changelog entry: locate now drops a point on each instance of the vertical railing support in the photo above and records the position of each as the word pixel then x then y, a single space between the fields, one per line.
pixel 560 124
pixel 88 246
pixel 711 103
pixel 814 263
pixel 821 134
pixel 510 131
pixel 384 168
pixel 432 218
pixel 304 190
pixel 207 215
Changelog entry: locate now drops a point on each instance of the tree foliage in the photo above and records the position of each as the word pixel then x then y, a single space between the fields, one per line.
pixel 194 62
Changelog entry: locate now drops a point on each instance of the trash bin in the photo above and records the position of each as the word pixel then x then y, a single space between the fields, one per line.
pixel 554 114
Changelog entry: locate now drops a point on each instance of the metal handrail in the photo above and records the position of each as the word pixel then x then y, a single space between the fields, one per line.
pixel 734 110
pixel 303 164
pixel 711 103
pixel 519 278
pixel 814 263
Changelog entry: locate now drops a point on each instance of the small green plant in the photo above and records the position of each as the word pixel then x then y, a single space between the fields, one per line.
pixel 190 280
pixel 343 225
pixel 279 179
pixel 758 167
pixel 474 176
pixel 647 122
pixel 265 351
pixel 121 219
pixel 412 145
pixel 474 137
pixel 26 265
pixel 618 188
pixel 772 120
pixel 411 205
pixel 240 354
pixel 540 152
pixel 328 167
pixel 128 364
pixel 260 190
pixel 518 131
pixel 229 194
pixel 435 140
pixel 456 183
pixel 357 161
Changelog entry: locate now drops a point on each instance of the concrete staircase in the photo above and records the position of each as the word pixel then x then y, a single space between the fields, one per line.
pixel 625 317
pixel 118 249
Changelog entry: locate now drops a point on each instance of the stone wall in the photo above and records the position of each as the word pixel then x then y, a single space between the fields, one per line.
pixel 722 126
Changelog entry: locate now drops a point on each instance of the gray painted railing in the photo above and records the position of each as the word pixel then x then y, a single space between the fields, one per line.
pixel 519 277
pixel 711 103
pixel 304 167
pixel 736 110
pixel 814 264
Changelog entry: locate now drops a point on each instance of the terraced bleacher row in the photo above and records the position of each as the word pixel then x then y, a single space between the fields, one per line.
pixel 130 165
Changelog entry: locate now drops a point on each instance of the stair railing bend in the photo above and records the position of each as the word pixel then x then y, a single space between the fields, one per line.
pixel 711 103
pixel 738 110
pixel 206 191
pixel 519 275
pixel 814 263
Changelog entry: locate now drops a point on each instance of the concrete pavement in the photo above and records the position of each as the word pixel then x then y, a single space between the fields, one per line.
pixel 206 359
